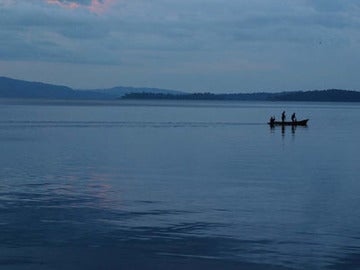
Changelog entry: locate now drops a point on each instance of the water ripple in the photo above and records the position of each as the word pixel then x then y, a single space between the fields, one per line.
pixel 125 124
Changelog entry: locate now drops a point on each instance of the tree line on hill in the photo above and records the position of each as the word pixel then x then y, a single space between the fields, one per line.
pixel 331 95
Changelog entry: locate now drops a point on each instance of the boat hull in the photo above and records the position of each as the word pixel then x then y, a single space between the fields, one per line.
pixel 295 123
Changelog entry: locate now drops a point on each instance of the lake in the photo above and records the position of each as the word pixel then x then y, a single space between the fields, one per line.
pixel 178 185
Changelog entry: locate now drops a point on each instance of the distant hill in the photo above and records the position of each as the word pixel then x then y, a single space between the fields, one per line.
pixel 120 91
pixel 332 95
pixel 12 88
pixel 200 96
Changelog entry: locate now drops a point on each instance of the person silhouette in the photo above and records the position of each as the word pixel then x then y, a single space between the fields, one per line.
pixel 283 116
pixel 272 120
pixel 293 117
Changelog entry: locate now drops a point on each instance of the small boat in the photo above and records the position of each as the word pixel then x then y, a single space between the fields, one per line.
pixel 289 123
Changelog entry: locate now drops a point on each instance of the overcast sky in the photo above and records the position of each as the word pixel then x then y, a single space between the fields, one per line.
pixel 191 45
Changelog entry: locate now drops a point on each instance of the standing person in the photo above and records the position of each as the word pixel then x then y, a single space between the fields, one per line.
pixel 293 117
pixel 283 116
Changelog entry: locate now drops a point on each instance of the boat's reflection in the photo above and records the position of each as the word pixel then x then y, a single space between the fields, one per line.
pixel 283 129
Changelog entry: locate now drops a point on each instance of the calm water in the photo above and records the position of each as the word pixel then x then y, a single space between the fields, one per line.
pixel 179 185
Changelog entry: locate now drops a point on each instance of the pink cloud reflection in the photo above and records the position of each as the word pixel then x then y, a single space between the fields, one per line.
pixel 96 6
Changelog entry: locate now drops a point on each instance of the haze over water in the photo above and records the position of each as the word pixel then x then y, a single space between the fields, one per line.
pixel 178 185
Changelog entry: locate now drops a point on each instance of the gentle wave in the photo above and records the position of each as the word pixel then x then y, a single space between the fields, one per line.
pixel 135 124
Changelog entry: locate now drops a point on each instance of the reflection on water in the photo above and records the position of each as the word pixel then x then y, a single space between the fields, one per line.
pixel 285 129
pixel 135 233
pixel 47 224
pixel 119 124
pixel 177 188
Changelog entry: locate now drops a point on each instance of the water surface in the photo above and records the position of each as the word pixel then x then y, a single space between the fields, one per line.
pixel 178 185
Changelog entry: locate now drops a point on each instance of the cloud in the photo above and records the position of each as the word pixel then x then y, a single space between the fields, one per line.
pixel 172 36
pixel 96 6
pixel 32 30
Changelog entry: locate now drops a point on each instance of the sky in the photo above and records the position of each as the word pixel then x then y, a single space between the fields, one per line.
pixel 190 45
